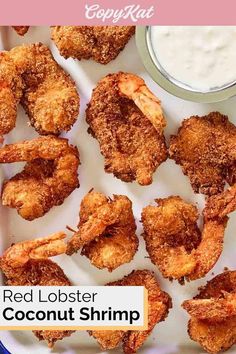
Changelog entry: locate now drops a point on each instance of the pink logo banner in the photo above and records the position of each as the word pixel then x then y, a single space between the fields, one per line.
pixel 122 12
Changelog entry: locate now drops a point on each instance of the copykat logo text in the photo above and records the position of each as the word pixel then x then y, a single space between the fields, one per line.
pixel 131 13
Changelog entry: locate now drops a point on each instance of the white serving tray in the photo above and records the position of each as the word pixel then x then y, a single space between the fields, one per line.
pixel 169 336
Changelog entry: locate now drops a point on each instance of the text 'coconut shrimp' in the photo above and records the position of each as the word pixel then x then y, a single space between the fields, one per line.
pixel 213 314
pixel 27 263
pixel 205 148
pixel 49 176
pixel 128 122
pixel 100 43
pixel 29 75
pixel 174 241
pixel 106 231
pixel 159 303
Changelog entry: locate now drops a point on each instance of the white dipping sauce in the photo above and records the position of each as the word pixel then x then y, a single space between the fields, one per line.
pixel 203 57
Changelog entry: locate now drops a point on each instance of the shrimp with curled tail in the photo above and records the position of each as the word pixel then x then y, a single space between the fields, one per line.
pixel 27 263
pixel 100 43
pixel 29 75
pixel 205 148
pixel 49 176
pixel 213 314
pixel 106 231
pixel 159 304
pixel 174 241
pixel 128 122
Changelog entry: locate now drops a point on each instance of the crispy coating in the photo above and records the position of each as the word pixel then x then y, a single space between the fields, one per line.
pixel 213 316
pixel 26 264
pixel 205 148
pixel 49 176
pixel 215 221
pixel 212 309
pixel 171 233
pixel 100 43
pixel 30 75
pixel 21 30
pixel 174 241
pixel 128 122
pixel 11 88
pixel 106 231
pixel 51 337
pixel 159 303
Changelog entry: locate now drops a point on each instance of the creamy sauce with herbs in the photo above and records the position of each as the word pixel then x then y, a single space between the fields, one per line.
pixel 203 58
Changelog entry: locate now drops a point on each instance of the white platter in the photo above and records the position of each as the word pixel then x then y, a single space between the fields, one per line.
pixel 169 336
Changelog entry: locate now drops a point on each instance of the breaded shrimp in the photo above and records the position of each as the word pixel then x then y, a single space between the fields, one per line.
pixel 49 176
pixel 27 263
pixel 106 231
pixel 159 303
pixel 51 337
pixel 19 260
pixel 213 314
pixel 205 148
pixel 11 88
pixel 30 75
pixel 212 309
pixel 21 30
pixel 128 122
pixel 100 43
pixel 174 241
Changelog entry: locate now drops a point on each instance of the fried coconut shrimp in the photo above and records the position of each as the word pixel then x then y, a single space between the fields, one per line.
pixel 27 263
pixel 21 30
pixel 128 122
pixel 29 75
pixel 100 43
pixel 213 314
pixel 174 241
pixel 205 148
pixel 159 303
pixel 49 176
pixel 106 231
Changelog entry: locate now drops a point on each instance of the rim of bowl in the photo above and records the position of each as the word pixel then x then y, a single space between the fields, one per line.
pixel 141 37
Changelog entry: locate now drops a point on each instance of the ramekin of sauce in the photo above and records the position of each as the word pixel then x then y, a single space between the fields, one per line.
pixel 191 62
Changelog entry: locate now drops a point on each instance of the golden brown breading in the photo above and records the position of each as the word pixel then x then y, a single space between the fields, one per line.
pixel 171 233
pixel 49 176
pixel 205 147
pixel 107 339
pixel 215 221
pixel 100 43
pixel 26 264
pixel 159 303
pixel 106 231
pixel 30 75
pixel 174 241
pixel 21 30
pixel 11 86
pixel 127 120
pixel 212 309
pixel 51 337
pixel 213 320
pixel 213 337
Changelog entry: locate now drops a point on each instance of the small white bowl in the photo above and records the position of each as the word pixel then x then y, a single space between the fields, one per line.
pixel 167 82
